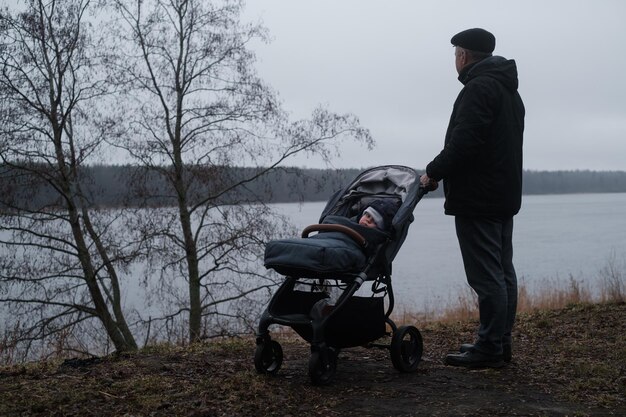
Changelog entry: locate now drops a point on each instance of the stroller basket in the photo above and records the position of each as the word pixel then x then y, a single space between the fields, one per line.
pixel 360 321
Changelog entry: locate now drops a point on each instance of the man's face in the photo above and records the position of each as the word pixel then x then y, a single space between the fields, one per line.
pixel 459 58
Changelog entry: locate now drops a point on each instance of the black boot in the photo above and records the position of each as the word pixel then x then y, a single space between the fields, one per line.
pixel 507 351
pixel 474 359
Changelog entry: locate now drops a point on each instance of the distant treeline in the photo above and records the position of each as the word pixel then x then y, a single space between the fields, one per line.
pixel 115 186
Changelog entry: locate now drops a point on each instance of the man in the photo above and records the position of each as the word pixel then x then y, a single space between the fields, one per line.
pixel 481 167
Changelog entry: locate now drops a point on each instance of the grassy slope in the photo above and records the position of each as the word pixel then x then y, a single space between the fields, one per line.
pixel 570 361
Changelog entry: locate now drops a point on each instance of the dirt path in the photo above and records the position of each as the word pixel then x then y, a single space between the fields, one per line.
pixel 366 384
pixel 569 362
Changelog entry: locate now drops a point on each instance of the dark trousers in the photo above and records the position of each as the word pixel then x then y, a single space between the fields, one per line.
pixel 487 251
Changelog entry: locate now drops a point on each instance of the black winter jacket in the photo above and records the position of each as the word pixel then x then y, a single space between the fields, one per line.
pixel 481 163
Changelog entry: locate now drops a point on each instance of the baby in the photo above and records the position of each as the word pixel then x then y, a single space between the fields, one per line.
pixel 378 214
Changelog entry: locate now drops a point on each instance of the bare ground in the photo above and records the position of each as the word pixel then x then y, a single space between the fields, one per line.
pixel 569 362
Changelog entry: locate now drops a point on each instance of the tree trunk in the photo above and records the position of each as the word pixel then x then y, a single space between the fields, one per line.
pixel 191 251
pixel 116 297
pixel 195 307
pixel 110 325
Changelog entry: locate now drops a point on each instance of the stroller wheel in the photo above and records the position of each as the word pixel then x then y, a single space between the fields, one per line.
pixel 268 357
pixel 322 366
pixel 406 348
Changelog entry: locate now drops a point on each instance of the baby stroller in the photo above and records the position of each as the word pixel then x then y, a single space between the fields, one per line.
pixel 342 256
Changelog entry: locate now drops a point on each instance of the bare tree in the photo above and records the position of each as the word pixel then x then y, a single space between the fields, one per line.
pixel 199 108
pixel 59 265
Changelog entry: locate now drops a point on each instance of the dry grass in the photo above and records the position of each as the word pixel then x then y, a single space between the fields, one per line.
pixel 613 280
pixel 549 294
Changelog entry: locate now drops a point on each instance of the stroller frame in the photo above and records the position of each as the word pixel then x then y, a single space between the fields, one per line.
pixel 353 321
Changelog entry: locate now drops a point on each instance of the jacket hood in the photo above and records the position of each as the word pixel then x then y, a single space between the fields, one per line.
pixel 502 69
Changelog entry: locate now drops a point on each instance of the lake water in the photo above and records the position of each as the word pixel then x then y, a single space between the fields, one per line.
pixel 555 237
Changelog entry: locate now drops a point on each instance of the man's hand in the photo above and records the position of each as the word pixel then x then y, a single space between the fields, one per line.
pixel 429 183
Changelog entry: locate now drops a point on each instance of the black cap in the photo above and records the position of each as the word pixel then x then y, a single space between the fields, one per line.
pixel 475 40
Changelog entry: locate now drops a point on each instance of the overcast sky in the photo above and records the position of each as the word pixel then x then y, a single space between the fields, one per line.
pixel 391 63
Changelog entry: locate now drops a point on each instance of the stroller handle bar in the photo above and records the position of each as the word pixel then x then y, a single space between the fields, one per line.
pixel 356 236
